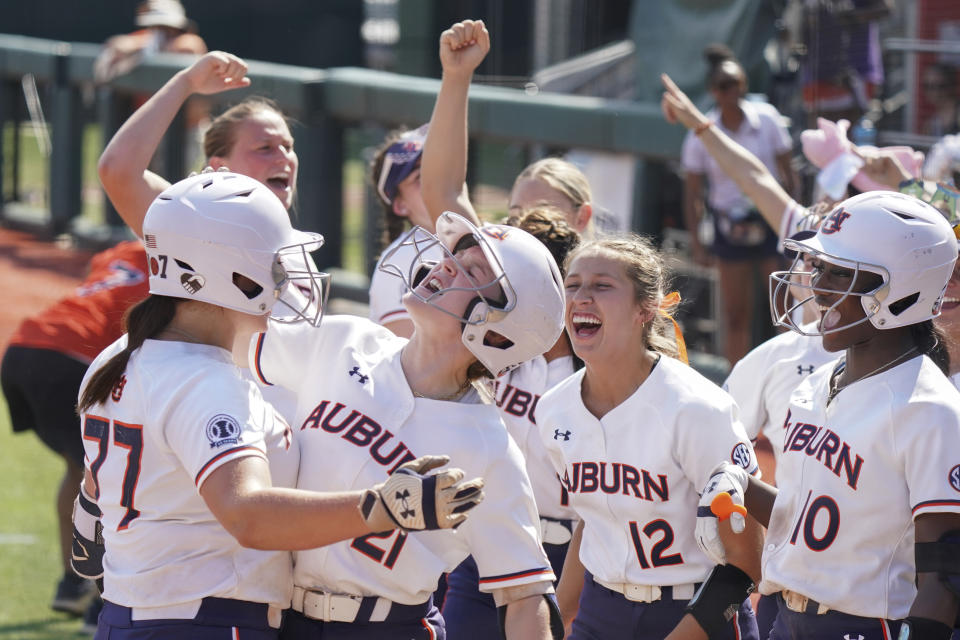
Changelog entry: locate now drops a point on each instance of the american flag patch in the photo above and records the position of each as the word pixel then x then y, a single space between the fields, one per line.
pixel 151 241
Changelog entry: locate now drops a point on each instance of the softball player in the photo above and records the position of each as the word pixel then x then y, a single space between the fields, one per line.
pixel 868 479
pixel 369 400
pixel 633 435
pixel 395 174
pixel 550 181
pixel 251 138
pixel 469 612
pixel 181 451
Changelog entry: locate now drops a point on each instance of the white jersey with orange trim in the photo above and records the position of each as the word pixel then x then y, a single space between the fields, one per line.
pixel 634 474
pixel 357 421
pixel 386 290
pixel 853 476
pixel 182 411
pixel 763 380
pixel 517 394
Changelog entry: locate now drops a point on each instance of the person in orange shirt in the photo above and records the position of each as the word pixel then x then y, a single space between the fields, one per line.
pixel 41 374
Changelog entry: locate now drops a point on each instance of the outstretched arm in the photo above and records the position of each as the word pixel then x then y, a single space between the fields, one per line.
pixel 123 171
pixel 744 168
pixel 443 165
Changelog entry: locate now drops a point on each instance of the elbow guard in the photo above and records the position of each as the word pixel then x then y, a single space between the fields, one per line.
pixel 719 597
pixel 88 548
pixel 941 557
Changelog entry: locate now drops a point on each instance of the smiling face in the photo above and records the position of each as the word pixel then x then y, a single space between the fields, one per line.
pixel 849 311
pixel 603 318
pixel 449 288
pixel 263 149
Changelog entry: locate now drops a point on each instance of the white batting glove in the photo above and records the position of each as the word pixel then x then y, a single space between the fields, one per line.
pixel 413 500
pixel 726 478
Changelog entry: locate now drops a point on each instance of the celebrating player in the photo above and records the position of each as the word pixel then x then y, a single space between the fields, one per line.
pixel 184 458
pixel 469 612
pixel 369 400
pixel 550 181
pixel 868 479
pixel 634 435
pixel 251 138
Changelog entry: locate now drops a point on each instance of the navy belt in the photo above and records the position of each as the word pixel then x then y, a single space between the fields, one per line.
pixel 213 612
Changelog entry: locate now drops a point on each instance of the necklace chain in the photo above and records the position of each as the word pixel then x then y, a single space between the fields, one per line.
pixel 456 395
pixel 835 387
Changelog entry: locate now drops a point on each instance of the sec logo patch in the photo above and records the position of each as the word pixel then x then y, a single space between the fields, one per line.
pixel 955 478
pixel 741 456
pixel 222 430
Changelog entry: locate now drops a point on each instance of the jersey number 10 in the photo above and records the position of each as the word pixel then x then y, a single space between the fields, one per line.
pixel 808 518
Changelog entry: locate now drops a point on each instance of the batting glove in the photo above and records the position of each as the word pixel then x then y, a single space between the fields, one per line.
pixel 726 478
pixel 88 548
pixel 413 500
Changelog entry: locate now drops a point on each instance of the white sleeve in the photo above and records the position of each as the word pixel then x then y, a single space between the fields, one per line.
pixel 707 435
pixel 693 155
pixel 215 422
pixel 927 441
pixel 386 298
pixel 281 354
pixel 790 222
pixel 746 384
pixel 544 426
pixel 503 532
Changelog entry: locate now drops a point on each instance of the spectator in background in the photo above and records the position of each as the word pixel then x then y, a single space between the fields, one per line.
pixel 163 27
pixel 41 374
pixel 742 242
pixel 843 69
pixel 940 90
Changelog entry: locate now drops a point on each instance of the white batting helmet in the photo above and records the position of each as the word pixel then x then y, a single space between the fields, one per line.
pixel 206 233
pixel 531 315
pixel 905 241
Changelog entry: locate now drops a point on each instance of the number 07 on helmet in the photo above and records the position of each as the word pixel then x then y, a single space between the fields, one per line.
pixel 225 239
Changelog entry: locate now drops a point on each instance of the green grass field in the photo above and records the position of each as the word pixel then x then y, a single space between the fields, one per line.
pixel 29 555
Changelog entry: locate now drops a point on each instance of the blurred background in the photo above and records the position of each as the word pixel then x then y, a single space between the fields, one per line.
pixel 575 78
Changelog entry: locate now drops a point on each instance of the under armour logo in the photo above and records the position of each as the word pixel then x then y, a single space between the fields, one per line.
pixel 356 372
pixel 847 636
pixel 802 369
pixel 557 434
pixel 403 497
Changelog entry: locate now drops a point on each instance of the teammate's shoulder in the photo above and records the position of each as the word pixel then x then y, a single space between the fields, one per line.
pixel 565 391
pixel 673 377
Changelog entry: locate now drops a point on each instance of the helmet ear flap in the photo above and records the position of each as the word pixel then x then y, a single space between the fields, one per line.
pixel 476 312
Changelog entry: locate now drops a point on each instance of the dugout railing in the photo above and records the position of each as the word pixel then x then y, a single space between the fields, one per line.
pixel 325 104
